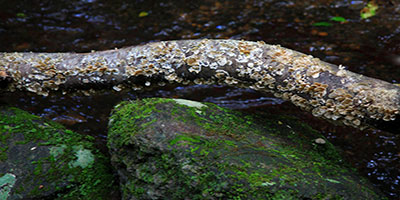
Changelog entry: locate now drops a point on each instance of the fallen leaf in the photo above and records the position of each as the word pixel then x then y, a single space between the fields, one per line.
pixel 323 34
pixel 143 14
pixel 369 10
pixel 322 24
pixel 338 19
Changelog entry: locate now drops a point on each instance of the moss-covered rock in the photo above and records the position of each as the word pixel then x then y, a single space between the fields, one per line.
pixel 40 159
pixel 177 149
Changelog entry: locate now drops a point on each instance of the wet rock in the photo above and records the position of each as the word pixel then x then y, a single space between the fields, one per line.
pixel 178 149
pixel 40 159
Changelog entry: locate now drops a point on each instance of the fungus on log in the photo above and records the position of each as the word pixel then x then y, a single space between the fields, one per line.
pixel 325 90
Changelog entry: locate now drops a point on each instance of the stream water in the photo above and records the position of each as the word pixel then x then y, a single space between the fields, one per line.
pixel 368 46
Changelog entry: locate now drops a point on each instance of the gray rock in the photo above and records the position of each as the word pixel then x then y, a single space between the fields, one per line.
pixel 178 149
pixel 40 159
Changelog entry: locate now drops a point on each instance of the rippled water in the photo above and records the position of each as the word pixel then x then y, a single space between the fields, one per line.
pixel 370 47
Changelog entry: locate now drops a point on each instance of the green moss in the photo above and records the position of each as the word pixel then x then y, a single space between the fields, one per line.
pixel 134 113
pixel 209 118
pixel 14 120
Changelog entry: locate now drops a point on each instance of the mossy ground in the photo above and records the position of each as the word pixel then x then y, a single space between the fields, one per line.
pixel 211 152
pixel 64 165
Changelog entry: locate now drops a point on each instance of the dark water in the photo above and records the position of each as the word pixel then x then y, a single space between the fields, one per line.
pixel 367 46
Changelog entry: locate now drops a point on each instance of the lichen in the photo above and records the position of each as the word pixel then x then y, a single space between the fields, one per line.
pixel 84 157
pixel 189 103
pixel 7 182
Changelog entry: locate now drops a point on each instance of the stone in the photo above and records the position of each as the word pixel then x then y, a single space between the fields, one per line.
pixel 166 149
pixel 40 159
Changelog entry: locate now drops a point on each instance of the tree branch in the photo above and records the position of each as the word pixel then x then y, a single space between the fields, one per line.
pixel 325 90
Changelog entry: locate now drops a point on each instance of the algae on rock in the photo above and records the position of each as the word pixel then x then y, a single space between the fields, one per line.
pixel 163 149
pixel 48 161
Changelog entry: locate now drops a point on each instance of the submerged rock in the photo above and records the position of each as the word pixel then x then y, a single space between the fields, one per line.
pixel 40 159
pixel 178 149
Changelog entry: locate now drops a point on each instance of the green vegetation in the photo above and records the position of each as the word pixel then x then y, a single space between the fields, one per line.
pixel 327 24
pixel 369 10
pixel 338 19
pixel 322 24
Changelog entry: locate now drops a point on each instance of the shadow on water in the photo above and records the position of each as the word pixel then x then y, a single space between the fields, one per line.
pixel 367 46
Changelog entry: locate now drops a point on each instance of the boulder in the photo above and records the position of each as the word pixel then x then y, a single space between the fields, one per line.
pixel 180 149
pixel 40 159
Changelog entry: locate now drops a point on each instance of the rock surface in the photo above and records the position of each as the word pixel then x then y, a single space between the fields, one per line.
pixel 178 149
pixel 40 159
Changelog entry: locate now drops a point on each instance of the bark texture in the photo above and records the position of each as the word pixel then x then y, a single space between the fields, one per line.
pixel 325 90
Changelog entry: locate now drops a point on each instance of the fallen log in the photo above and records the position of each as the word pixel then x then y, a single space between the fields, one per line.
pixel 324 89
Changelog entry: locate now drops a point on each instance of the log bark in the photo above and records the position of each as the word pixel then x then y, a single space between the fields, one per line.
pixel 324 89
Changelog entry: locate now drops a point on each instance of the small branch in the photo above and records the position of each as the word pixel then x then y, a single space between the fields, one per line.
pixel 325 90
